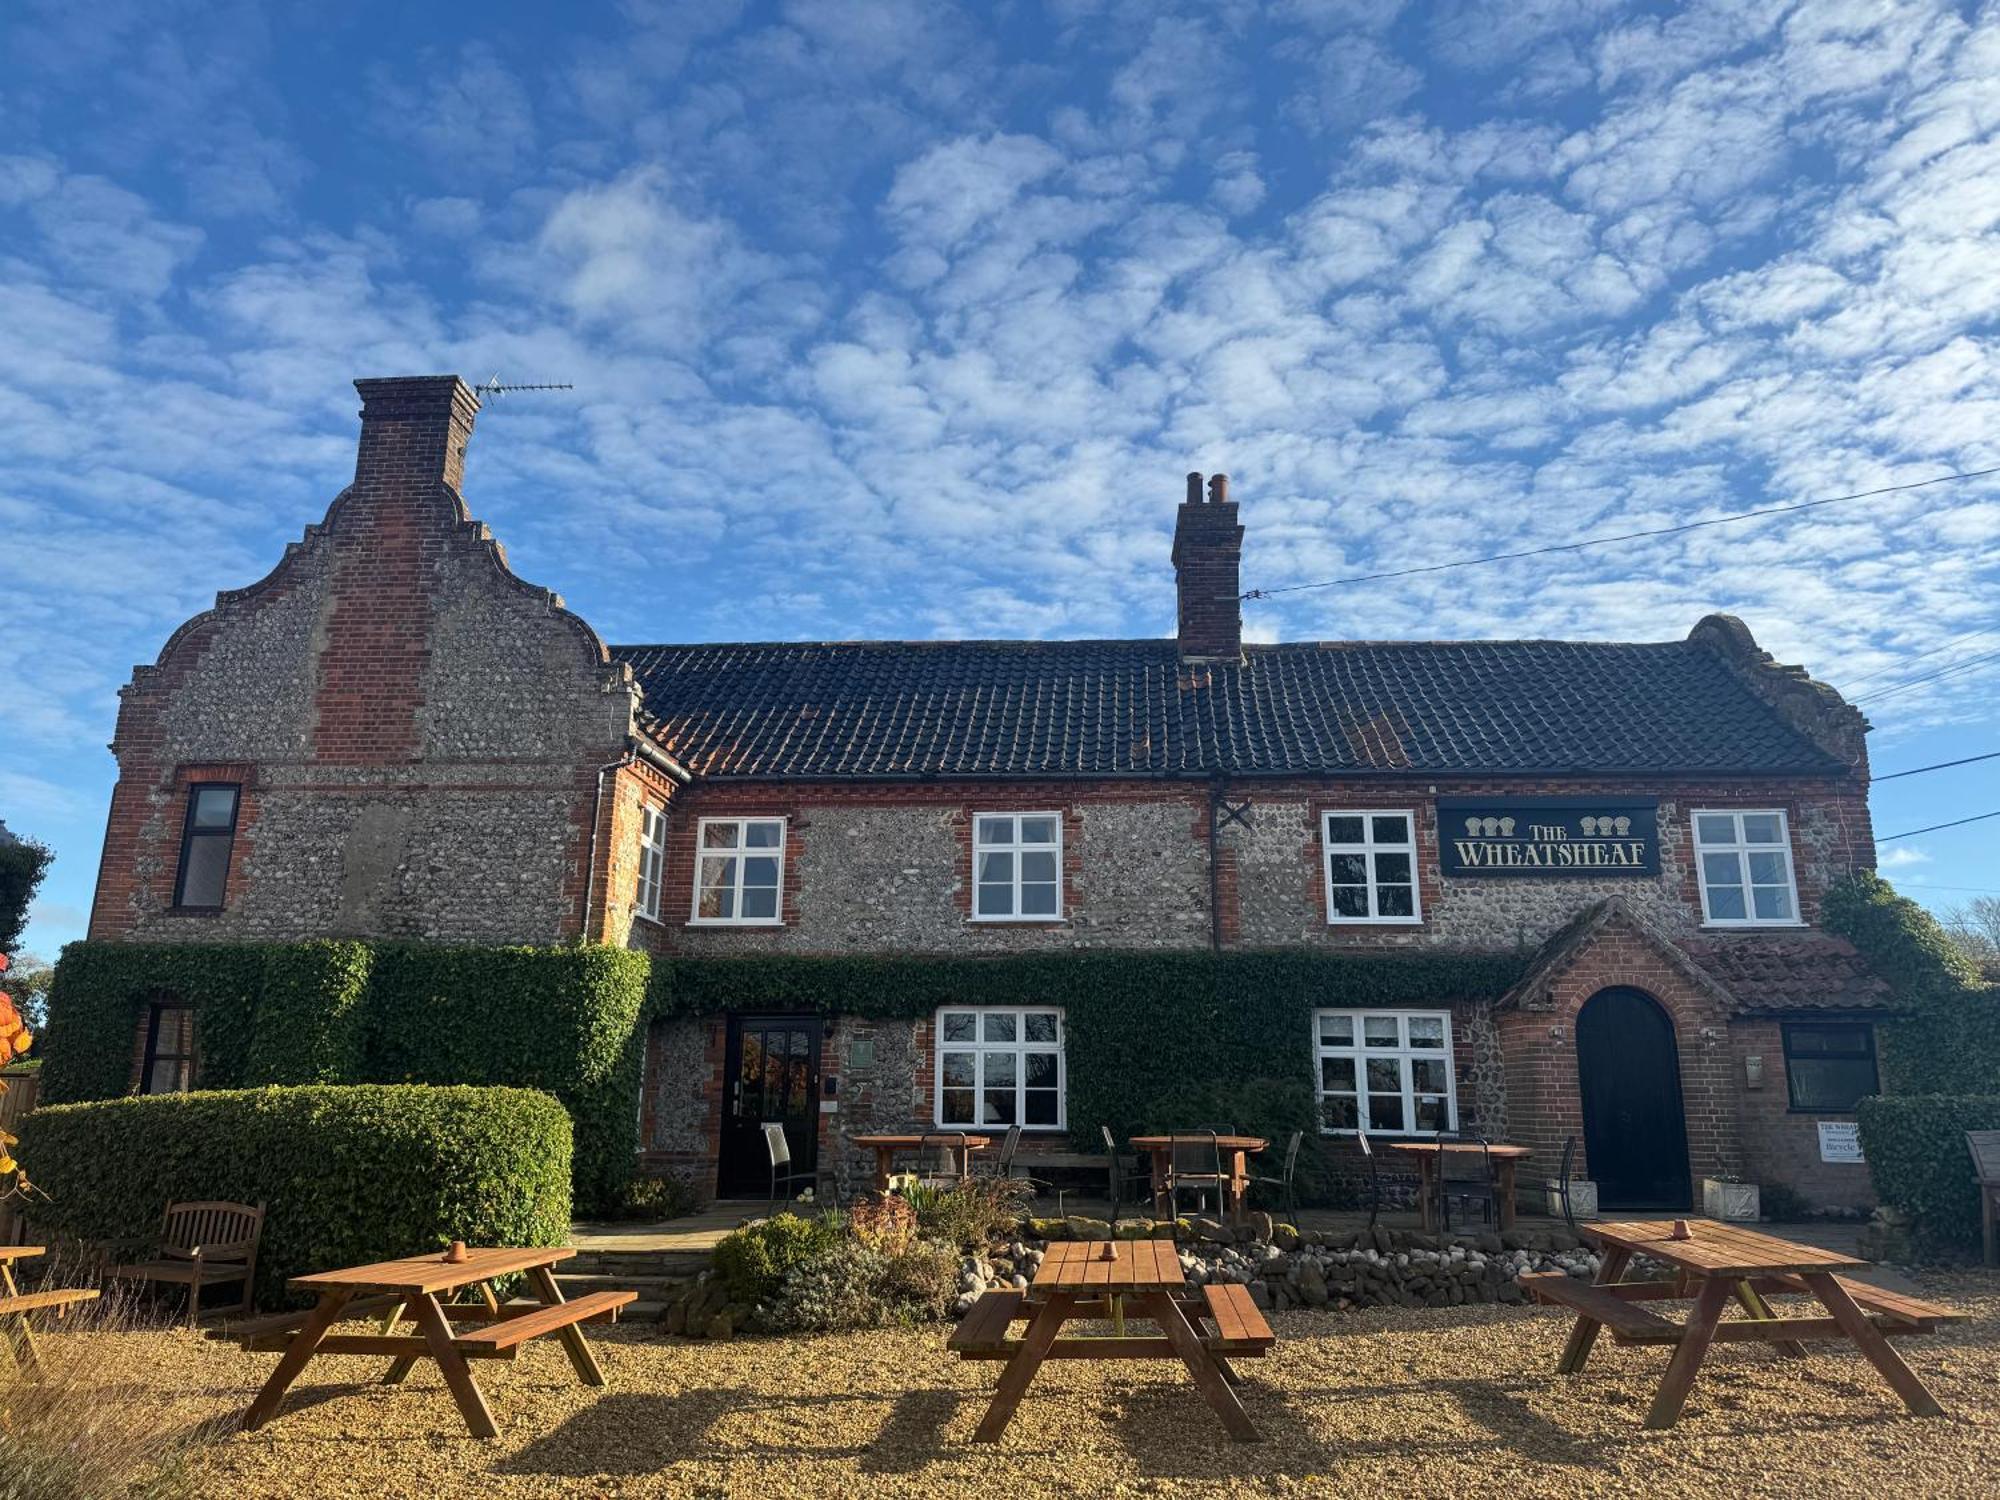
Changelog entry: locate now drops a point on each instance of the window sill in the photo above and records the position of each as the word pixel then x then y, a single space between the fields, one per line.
pixel 1057 921
pixel 1374 921
pixel 720 922
pixel 1026 1130
pixel 1710 925
pixel 1349 1133
pixel 195 911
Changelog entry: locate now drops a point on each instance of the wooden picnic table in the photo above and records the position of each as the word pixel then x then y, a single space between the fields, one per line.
pixel 1236 1153
pixel 886 1147
pixel 1429 1157
pixel 412 1286
pixel 15 1305
pixel 1141 1280
pixel 1720 1261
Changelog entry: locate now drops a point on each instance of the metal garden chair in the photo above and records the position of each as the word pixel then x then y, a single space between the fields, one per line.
pixel 783 1176
pixel 1194 1164
pixel 1286 1182
pixel 1127 1174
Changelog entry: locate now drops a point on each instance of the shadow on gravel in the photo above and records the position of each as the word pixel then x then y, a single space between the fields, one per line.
pixel 644 1434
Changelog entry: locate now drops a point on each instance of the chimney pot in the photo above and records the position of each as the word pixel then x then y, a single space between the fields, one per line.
pixel 1218 490
pixel 1194 489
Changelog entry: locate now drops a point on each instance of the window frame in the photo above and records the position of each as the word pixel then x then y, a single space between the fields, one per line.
pixel 653 863
pixel 1786 1030
pixel 1741 849
pixel 152 1056
pixel 1018 1049
pixel 189 833
pixel 1368 849
pixel 1403 1052
pixel 1016 848
pixel 702 854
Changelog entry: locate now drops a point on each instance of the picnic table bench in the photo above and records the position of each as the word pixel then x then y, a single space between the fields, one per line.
pixel 15 1305
pixel 412 1286
pixel 1720 1262
pixel 1142 1280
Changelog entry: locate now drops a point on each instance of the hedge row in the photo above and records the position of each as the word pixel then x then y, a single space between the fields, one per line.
pixel 347 1174
pixel 1920 1164
pixel 561 1019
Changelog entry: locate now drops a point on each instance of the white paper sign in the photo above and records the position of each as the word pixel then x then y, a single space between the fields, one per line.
pixel 1840 1140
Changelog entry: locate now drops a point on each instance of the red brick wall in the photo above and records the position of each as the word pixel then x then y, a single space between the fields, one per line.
pixel 1778 1145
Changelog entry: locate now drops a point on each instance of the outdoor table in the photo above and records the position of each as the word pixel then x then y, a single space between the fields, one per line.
pixel 15 1305
pixel 412 1285
pixel 1429 1159
pixel 1719 1261
pixel 1142 1280
pixel 886 1147
pixel 1236 1153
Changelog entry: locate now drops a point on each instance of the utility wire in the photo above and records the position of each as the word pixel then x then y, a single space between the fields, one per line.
pixel 1629 536
pixel 1951 670
pixel 1955 823
pixel 1970 635
pixel 1940 766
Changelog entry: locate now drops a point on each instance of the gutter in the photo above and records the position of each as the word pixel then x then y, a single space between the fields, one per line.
pixel 637 747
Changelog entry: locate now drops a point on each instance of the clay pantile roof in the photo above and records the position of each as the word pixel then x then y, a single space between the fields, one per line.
pixel 884 709
pixel 1770 971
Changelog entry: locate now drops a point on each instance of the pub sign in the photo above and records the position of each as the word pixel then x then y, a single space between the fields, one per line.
pixel 1548 836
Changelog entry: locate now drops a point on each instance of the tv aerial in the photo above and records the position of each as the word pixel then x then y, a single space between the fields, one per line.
pixel 491 386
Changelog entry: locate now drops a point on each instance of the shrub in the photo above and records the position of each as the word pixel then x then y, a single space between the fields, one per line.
pixel 972 1214
pixel 655 1198
pixel 348 1174
pixel 887 1223
pixel 1919 1163
pixel 851 1285
pixel 754 1260
pixel 1784 1204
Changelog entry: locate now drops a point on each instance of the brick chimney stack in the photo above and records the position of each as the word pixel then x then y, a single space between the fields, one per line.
pixel 1208 558
pixel 414 430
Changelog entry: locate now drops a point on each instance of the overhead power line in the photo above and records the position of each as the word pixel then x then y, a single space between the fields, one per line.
pixel 1894 666
pixel 1951 670
pixel 1629 536
pixel 1940 766
pixel 1955 823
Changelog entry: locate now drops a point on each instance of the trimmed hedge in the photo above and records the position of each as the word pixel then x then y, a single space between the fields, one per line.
pixel 561 1019
pixel 1918 1160
pixel 348 1174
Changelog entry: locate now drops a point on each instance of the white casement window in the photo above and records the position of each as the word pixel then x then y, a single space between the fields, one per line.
pixel 1371 867
pixel 1000 1065
pixel 1016 867
pixel 1745 862
pixel 1386 1071
pixel 652 857
pixel 739 872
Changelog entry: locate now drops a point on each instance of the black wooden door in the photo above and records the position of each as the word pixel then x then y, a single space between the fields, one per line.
pixel 1634 1131
pixel 770 1073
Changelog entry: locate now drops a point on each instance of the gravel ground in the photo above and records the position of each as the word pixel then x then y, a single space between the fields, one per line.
pixel 1455 1401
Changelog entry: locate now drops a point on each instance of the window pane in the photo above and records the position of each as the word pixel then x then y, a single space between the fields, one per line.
pixel 761 870
pixel 760 904
pixel 999 1026
pixel 1338 1111
pixel 1001 1069
pixel 960 1025
pixel 1773 903
pixel 1725 903
pixel 1350 900
pixel 720 835
pixel 1041 1070
pixel 1762 828
pixel 1385 1074
pixel 1432 1114
pixel 996 869
pixel 214 806
pixel 1395 901
pixel 718 898
pixel 1337 1031
pixel 1385 1111
pixel 1038 830
pixel 1392 829
pixel 1343 830
pixel 996 901
pixel 1039 865
pixel 1428 1075
pixel 995 831
pixel 999 1107
pixel 1038 901
pixel 1715 828
pixel 1380 1031
pixel 1348 869
pixel 1394 868
pixel 1427 1031
pixel 206 870
pixel 1830 1083
pixel 1336 1074
pixel 166 1077
pixel 958 1070
pixel 1840 1041
pixel 1721 869
pixel 957 1107
pixel 768 834
pixel 1768 868
pixel 1041 1107
pixel 1039 1026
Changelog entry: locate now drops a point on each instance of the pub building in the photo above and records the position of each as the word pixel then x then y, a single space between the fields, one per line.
pixel 358 744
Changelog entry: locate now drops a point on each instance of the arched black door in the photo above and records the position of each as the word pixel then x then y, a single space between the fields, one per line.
pixel 1634 1131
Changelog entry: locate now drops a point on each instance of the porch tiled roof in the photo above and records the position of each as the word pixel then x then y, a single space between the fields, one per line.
pixel 873 709
pixel 1769 972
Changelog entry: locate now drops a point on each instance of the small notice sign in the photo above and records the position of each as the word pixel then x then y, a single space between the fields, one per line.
pixel 1840 1140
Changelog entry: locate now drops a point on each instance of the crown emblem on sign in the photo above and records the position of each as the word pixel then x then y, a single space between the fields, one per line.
pixel 1606 827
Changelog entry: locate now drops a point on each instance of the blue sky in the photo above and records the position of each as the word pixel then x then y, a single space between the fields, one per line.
pixel 891 318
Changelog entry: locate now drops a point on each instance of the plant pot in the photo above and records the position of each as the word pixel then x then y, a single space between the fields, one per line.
pixel 1582 1197
pixel 1734 1202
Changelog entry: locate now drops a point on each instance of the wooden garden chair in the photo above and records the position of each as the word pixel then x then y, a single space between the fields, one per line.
pixel 1985 1148
pixel 199 1245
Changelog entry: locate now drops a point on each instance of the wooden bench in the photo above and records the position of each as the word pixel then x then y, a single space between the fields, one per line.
pixel 65 1298
pixel 1240 1325
pixel 16 1337
pixel 1240 1328
pixel 1617 1308
pixel 982 1332
pixel 1628 1321
pixel 1897 1313
pixel 511 1327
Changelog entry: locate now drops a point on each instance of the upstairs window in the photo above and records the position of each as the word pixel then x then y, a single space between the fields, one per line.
pixel 1387 1071
pixel 739 872
pixel 1017 867
pixel 652 858
pixel 1745 865
pixel 1000 1065
pixel 205 846
pixel 1371 867
pixel 169 1064
pixel 1829 1065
